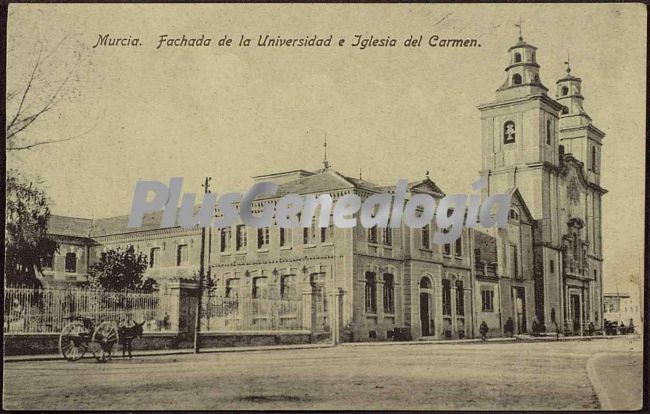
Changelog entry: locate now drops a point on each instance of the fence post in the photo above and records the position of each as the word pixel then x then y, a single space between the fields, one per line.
pixel 183 295
pixel 336 314
pixel 308 310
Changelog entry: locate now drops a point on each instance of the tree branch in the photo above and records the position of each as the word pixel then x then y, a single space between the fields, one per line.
pixel 36 144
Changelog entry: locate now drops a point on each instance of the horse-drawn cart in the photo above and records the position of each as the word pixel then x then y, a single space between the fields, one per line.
pixel 81 335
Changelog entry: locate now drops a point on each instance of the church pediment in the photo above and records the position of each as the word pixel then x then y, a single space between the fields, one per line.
pixel 426 186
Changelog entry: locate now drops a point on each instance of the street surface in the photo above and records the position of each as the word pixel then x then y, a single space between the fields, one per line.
pixel 508 376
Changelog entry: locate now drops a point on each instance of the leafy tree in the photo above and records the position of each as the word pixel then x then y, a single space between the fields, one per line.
pixel 121 269
pixel 27 243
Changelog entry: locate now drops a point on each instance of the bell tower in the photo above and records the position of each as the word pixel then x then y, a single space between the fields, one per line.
pixel 520 132
pixel 578 135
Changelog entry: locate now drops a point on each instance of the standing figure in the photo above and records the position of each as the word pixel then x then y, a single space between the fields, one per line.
pixel 509 327
pixel 483 330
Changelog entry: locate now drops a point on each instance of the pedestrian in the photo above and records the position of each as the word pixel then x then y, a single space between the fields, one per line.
pixel 483 330
pixel 557 331
pixel 509 327
pixel 591 329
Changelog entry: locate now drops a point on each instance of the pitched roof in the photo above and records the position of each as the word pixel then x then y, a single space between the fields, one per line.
pixel 68 226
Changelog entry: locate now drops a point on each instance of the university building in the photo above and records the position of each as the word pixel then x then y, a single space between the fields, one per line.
pixel 543 270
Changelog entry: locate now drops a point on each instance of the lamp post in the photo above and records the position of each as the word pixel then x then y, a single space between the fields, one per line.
pixel 197 326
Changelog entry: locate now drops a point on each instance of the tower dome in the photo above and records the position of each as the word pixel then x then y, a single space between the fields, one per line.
pixel 569 95
pixel 523 72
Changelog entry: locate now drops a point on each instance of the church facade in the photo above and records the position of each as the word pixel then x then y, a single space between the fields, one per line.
pixel 542 272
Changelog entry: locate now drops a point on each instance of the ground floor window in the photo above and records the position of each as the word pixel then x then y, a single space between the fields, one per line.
pixel 371 292
pixel 389 294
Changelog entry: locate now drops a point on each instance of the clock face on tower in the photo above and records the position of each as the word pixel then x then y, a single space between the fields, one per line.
pixel 572 191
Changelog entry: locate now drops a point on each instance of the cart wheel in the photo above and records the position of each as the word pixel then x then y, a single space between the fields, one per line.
pixel 73 341
pixel 104 338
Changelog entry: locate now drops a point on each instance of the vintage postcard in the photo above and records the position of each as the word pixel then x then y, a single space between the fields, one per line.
pixel 324 206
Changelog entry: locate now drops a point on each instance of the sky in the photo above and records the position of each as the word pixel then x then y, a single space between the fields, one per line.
pixel 389 113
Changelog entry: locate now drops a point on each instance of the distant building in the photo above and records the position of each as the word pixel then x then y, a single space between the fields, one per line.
pixel 622 308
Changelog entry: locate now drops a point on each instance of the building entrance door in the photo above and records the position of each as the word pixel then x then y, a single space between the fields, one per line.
pixel 575 312
pixel 519 309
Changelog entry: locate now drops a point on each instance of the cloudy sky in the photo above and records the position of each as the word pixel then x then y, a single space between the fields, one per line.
pixel 233 113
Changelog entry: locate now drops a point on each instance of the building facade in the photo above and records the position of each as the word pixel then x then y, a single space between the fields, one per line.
pixel 543 272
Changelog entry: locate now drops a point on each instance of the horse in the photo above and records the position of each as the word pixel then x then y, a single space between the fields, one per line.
pixel 127 334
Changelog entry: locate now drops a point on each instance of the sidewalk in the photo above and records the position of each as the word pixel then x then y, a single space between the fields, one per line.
pixel 516 338
pixel 158 352
pixel 617 380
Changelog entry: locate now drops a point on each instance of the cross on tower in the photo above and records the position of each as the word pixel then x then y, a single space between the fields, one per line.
pixel 326 163
pixel 519 26
pixel 568 63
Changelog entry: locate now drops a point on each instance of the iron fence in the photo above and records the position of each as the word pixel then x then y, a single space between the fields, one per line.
pixel 28 310
pixel 225 314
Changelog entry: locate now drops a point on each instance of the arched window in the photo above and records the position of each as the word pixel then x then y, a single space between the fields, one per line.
pixel 389 293
pixel 260 288
pixel 548 132
pixel 371 292
pixel 513 215
pixel 288 287
pixel 509 132
pixel 565 91
pixel 516 79
pixel 425 283
pixel 517 57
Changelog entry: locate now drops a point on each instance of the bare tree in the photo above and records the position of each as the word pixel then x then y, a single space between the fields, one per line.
pixel 30 101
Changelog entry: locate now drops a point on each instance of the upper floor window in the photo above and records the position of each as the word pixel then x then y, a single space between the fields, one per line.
pixel 241 237
pixel 509 132
pixel 565 110
pixel 517 57
pixel 371 292
pixel 388 236
pixel 548 132
pixel 565 91
pixel 487 301
pixel 263 237
pixel 516 79
pixel 326 233
pixel 71 262
pixel 514 253
pixel 372 234
pixel 225 239
pixel 426 237
pixel 154 257
pixel 285 237
pixel 182 255
pixel 309 234
pixel 513 215
pixel 459 246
